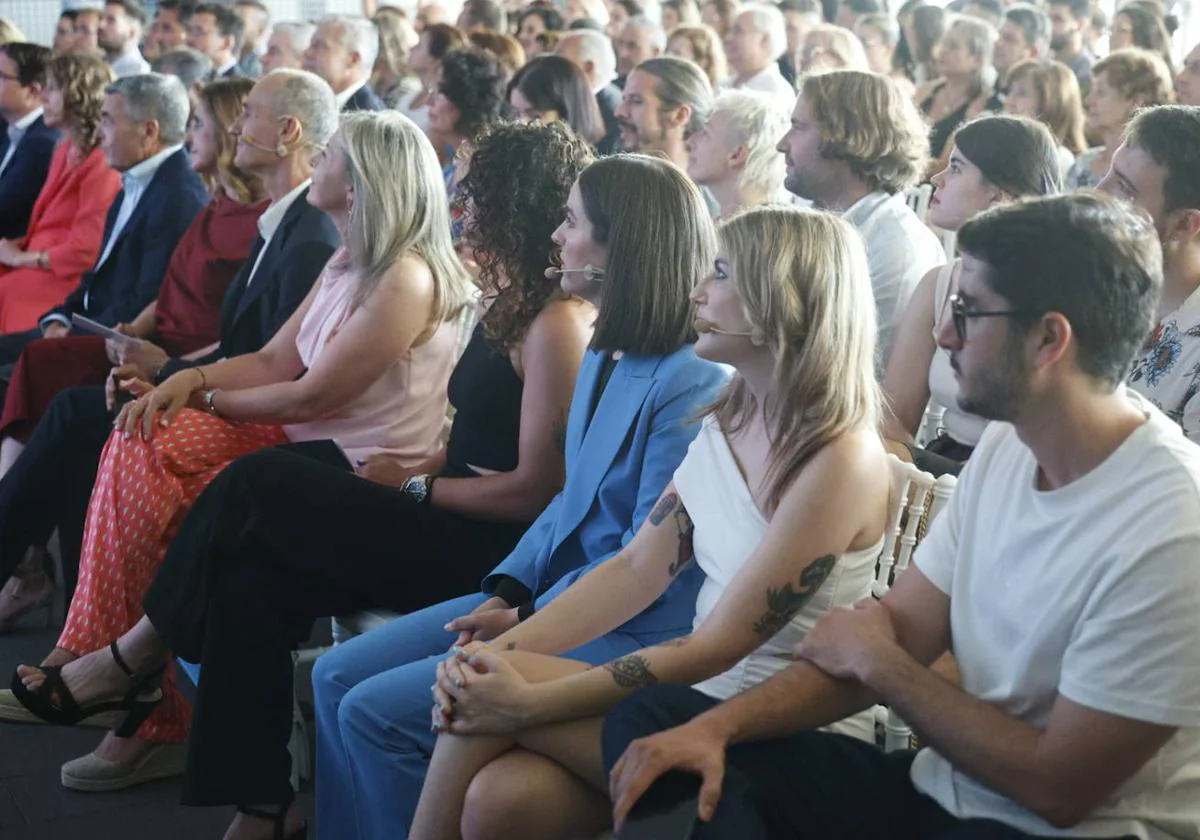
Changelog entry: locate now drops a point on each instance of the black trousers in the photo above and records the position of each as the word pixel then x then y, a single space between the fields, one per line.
pixel 50 485
pixel 815 785
pixel 280 538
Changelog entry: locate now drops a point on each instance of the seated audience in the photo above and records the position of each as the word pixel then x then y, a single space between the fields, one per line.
pixel 965 87
pixel 1187 83
pixel 119 36
pixel 1071 627
pixel 855 144
pixel 593 54
pixel 702 46
pixel 1156 167
pixel 168 30
pixel 799 17
pixel 1124 81
pixel 927 25
pixel 533 22
pixel 426 61
pixel 640 39
pixel 216 30
pixel 64 32
pixel 733 154
pixel 848 12
pixel 753 45
pixel 342 52
pixel 1047 90
pixel 142 127
pixel 391 77
pixel 641 224
pixel 993 160
pixel 190 66
pixel 27 146
pixel 49 486
pixel 1139 25
pixel 87 26
pixel 719 15
pixel 1069 21
pixel 480 15
pixel 363 361
pixel 256 21
pixel 735 506
pixel 677 13
pixel 286 46
pixel 469 97
pixel 828 47
pixel 592 12
pixel 67 224
pixel 664 101
pixel 469 503
pixel 1024 35
pixel 506 48
pixel 551 88
pixel 879 35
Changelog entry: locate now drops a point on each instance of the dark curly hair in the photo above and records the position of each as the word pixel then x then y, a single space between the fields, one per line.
pixel 517 184
pixel 473 81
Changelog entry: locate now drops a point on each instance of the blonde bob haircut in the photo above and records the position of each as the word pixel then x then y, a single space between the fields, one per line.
pixel 803 280
pixel 400 206
pixel 652 220
pixel 867 122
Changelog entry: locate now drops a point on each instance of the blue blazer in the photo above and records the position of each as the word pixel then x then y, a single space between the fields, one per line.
pixel 119 289
pixel 364 99
pixel 616 469
pixel 22 180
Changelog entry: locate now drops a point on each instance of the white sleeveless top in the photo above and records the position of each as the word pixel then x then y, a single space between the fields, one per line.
pixel 943 389
pixel 729 527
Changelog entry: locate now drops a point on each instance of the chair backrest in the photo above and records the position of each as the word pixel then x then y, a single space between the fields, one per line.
pixel 931 423
pixel 916 498
pixel 918 199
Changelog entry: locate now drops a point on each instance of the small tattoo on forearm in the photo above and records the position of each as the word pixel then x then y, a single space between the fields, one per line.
pixel 783 603
pixel 663 509
pixel 632 671
pixel 511 646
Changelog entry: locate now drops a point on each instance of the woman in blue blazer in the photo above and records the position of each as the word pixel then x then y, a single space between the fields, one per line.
pixel 648 242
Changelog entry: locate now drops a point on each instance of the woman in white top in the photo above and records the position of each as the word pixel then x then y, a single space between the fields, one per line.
pixel 781 501
pixel 993 160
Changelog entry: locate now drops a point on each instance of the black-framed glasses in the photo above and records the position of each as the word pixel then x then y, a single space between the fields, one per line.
pixel 960 313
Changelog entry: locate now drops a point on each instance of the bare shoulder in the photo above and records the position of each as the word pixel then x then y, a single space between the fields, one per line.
pixel 562 324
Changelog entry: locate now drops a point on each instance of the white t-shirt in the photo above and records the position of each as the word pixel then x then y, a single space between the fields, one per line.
pixel 1091 591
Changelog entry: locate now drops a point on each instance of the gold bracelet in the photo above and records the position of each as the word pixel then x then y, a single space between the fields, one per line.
pixel 203 379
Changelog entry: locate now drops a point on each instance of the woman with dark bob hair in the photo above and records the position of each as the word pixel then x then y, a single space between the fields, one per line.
pixel 551 88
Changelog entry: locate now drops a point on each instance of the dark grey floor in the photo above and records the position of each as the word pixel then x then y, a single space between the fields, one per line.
pixel 34 806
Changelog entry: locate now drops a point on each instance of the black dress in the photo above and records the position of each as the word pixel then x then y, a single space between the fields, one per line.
pixel 289 535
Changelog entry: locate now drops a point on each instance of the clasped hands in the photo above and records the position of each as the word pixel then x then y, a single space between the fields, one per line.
pixel 846 643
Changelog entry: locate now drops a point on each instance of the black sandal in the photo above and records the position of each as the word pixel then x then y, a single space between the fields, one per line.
pixel 139 701
pixel 279 818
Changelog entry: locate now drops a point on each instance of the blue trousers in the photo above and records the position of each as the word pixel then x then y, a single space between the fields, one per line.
pixel 373 709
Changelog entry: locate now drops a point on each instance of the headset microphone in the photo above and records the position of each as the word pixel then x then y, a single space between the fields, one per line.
pixel 589 272
pixel 703 326
pixel 278 151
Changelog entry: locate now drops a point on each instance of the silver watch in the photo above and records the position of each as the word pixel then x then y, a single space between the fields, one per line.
pixel 416 488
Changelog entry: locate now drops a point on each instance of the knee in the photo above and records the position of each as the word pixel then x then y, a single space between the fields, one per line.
pixel 495 805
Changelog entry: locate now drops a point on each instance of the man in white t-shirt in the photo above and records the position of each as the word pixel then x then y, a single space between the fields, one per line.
pixel 1064 575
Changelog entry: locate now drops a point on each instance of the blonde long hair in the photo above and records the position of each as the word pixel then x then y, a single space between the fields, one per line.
pixel 802 277
pixel 400 205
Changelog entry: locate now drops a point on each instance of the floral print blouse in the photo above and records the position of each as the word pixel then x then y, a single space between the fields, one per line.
pixel 1167 370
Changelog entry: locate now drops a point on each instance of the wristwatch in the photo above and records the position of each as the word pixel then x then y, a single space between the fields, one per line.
pixel 206 399
pixel 417 488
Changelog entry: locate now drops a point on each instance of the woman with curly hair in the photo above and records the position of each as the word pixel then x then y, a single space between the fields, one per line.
pixel 66 227
pixel 288 535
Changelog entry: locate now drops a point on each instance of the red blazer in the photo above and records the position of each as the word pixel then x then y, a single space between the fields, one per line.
pixel 68 217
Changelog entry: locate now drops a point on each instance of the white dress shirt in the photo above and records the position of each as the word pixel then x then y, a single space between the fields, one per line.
pixel 15 132
pixel 129 64
pixel 770 81
pixel 269 222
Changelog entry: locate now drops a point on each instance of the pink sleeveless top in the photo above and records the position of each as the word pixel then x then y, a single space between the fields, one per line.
pixel 404 410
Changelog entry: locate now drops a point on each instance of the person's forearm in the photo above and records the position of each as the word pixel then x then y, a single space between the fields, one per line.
pixel 502 497
pixel 976 737
pixel 240 372
pixel 600 601
pixel 143 325
pixel 279 403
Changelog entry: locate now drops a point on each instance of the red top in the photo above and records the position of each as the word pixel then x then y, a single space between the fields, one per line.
pixel 205 261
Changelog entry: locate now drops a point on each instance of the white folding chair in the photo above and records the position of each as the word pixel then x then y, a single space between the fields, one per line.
pixel 922 497
pixel 918 199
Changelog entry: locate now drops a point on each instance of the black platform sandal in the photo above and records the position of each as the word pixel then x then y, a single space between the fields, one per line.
pixel 139 701
pixel 279 818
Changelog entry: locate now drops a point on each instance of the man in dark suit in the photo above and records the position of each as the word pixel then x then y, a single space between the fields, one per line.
pixel 142 131
pixel 217 30
pixel 50 484
pixel 28 144
pixel 342 52
pixel 593 53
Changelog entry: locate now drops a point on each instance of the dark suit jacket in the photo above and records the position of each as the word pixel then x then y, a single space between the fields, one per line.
pixel 609 98
pixel 119 289
pixel 302 244
pixel 364 99
pixel 23 179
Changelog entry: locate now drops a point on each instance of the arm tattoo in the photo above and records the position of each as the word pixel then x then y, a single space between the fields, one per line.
pixel 632 671
pixel 686 551
pixel 785 602
pixel 511 646
pixel 663 509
